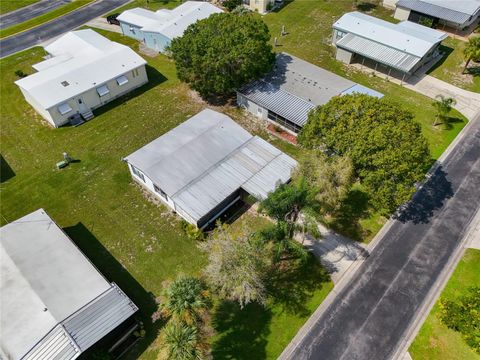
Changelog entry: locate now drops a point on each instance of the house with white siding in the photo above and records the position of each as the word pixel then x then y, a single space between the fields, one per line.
pixel 54 303
pixel 82 72
pixel 292 89
pixel 206 165
pixel 157 29
pixel 404 47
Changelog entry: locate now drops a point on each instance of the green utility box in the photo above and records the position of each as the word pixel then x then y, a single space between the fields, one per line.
pixel 62 164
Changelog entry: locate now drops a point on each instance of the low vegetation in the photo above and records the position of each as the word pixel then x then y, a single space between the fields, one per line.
pixel 452 329
pixel 8 6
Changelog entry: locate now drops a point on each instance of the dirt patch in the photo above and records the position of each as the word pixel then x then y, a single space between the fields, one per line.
pixel 282 134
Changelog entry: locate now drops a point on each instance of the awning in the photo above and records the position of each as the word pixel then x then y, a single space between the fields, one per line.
pixel 103 90
pixel 381 53
pixel 122 80
pixel 64 108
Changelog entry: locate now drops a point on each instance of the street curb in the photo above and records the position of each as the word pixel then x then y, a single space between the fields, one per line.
pixel 351 271
pixel 435 292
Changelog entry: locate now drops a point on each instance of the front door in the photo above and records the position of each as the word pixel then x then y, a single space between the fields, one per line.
pixel 81 105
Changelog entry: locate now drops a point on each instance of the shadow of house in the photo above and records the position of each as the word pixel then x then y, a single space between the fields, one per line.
pixel 446 51
pixel 6 172
pixel 427 200
pixel 116 272
pixel 155 78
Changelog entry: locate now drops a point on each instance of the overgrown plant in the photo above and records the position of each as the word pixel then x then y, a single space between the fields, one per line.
pixel 443 105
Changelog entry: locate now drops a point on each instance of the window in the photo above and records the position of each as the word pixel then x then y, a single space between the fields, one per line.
pixel 135 72
pixel 160 191
pixel 137 173
pixel 122 80
pixel 64 108
pixel 103 90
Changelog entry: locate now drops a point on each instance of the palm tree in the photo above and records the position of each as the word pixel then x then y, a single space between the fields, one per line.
pixel 182 341
pixel 443 105
pixel 185 298
pixel 472 51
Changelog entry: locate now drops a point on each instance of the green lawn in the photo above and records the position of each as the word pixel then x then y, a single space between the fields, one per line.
pixel 11 5
pixel 132 241
pixel 62 10
pixel 147 4
pixel 437 342
pixel 450 68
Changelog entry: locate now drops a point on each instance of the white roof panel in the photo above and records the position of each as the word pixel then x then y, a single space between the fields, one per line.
pixel 408 38
pixel 84 60
pixel 207 158
pixel 45 279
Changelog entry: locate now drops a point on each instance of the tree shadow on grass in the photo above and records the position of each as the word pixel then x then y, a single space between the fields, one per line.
pixel 448 125
pixel 6 172
pixel 427 200
pixel 365 6
pixel 242 332
pixel 114 271
pixel 346 220
pixel 293 285
pixel 155 78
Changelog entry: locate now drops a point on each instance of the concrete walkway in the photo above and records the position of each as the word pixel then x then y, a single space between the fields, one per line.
pixel 102 23
pixel 337 253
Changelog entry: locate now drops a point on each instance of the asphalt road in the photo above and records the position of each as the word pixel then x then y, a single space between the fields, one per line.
pixel 39 34
pixel 369 317
pixel 29 12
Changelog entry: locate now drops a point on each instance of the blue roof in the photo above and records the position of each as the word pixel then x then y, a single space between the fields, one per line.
pixel 359 89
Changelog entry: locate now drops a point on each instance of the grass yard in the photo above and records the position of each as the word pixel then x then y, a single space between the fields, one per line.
pixel 309 24
pixel 450 68
pixel 11 5
pixel 148 4
pixel 60 11
pixel 132 241
pixel 437 342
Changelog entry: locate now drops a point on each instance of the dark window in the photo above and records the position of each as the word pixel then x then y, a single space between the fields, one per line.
pixel 284 122
pixel 137 173
pixel 160 191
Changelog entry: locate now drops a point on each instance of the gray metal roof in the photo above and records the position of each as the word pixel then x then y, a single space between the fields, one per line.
pixel 45 279
pixel 407 37
pixel 294 87
pixel 381 53
pixel 457 11
pixel 207 158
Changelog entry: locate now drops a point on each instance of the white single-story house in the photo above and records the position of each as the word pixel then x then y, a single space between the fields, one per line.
pixel 206 165
pixel 82 72
pixel 456 14
pixel 286 95
pixel 157 29
pixel 404 47
pixel 54 303
pixel 261 6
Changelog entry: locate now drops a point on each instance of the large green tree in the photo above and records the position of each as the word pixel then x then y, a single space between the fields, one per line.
pixel 472 51
pixel 223 52
pixel 385 144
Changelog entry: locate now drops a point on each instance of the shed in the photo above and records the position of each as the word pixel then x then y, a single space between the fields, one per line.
pixel 203 166
pixel 54 303
pixel 286 95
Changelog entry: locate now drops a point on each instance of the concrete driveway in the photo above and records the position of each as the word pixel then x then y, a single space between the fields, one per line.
pixel 29 12
pixel 44 32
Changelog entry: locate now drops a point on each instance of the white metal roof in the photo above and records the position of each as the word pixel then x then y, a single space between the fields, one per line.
pixel 84 60
pixel 46 282
pixel 294 87
pixel 207 158
pixel 170 23
pixel 409 38
pixel 457 11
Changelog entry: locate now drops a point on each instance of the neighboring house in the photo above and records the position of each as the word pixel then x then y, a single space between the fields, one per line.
pixel 404 47
pixel 456 14
pixel 286 95
pixel 206 165
pixel 83 72
pixel 262 6
pixel 157 29
pixel 54 303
